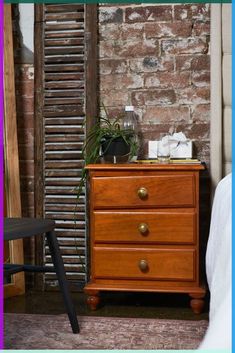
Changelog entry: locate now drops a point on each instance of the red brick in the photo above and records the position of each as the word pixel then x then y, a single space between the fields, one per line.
pixel 120 82
pixel 129 49
pixel 192 11
pixel 201 112
pixel 182 12
pixel 199 131
pixel 201 78
pixel 154 97
pixel 167 114
pixel 133 31
pixel 110 15
pixel 185 46
pixel 125 31
pixel 115 112
pixel 110 66
pixel 193 95
pixel 109 32
pixel 152 64
pixel 148 13
pixel 201 62
pixel 174 29
pixel 167 79
pixel 183 62
pixel 202 150
pixel 201 11
pixel 119 97
pixel 201 28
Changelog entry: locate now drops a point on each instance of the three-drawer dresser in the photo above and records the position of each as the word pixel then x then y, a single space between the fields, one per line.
pixel 144 230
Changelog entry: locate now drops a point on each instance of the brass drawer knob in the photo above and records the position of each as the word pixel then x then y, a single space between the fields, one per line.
pixel 143 228
pixel 143 265
pixel 142 193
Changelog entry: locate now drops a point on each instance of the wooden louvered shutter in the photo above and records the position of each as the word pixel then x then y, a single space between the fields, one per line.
pixel 65 92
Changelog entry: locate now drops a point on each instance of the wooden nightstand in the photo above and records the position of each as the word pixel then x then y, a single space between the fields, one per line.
pixel 144 230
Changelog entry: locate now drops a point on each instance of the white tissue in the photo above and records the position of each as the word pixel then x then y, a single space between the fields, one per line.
pixel 180 146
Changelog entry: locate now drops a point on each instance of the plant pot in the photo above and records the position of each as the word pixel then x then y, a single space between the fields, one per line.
pixel 115 150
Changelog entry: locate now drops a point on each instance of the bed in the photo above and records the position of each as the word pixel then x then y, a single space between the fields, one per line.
pixel 218 270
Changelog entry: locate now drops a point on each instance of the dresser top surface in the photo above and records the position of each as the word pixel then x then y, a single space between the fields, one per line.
pixel 145 166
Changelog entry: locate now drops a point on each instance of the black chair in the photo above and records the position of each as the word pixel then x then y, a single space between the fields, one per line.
pixel 16 228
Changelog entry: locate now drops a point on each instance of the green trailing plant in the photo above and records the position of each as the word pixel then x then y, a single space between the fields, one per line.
pixel 101 136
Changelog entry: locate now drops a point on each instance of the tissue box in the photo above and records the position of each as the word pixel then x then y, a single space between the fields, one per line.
pixel 183 150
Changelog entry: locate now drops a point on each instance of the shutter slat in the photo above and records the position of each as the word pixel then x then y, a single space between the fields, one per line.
pixel 64 59
pixel 64 164
pixel 67 208
pixel 60 51
pixel 64 41
pixel 64 112
pixel 64 16
pixel 57 101
pixel 65 129
pixel 64 121
pixel 64 84
pixel 63 27
pixel 58 35
pixel 64 68
pixel 64 76
pixel 63 8
pixel 70 147
pixel 64 93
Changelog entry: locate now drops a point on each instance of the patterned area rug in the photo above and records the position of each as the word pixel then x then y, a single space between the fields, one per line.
pixel 24 331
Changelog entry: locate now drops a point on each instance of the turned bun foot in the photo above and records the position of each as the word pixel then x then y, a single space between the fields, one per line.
pixel 197 305
pixel 93 301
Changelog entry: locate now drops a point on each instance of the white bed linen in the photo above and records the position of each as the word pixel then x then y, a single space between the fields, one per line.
pixel 218 269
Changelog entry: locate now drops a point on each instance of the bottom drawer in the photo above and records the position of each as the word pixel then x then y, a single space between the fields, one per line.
pixel 162 264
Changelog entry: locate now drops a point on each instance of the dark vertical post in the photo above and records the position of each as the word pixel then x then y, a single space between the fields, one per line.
pixel 38 133
pixel 91 82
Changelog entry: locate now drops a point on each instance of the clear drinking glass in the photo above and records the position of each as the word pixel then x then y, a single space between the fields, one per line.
pixel 163 148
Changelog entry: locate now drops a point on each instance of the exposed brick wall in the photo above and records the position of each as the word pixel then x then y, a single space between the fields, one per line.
pixel 156 57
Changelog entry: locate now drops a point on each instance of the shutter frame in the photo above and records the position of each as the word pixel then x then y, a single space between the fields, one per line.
pixel 54 174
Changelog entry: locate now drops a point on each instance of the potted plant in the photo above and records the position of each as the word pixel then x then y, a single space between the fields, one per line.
pixel 108 141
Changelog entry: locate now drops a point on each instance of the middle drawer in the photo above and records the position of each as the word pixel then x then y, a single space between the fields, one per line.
pixel 166 226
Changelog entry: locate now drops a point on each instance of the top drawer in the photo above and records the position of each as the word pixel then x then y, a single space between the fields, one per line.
pixel 144 191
